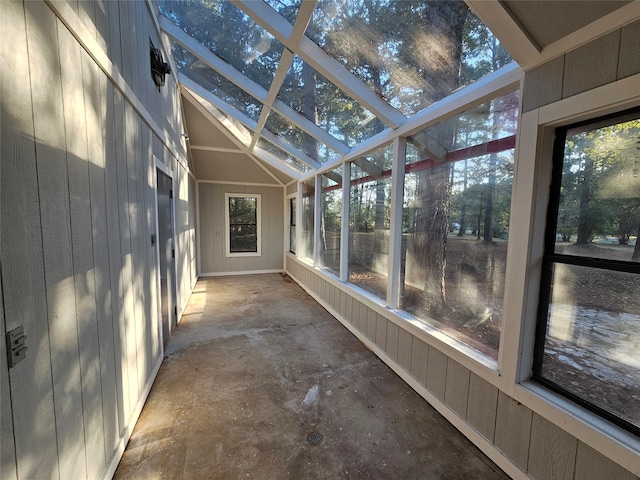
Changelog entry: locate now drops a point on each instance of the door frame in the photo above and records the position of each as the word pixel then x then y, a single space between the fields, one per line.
pixel 159 166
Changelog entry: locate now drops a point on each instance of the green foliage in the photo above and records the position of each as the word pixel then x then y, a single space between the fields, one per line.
pixel 600 187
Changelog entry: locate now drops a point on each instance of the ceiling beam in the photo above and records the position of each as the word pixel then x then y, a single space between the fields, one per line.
pixel 309 127
pixel 225 108
pixel 251 87
pixel 333 175
pixel 281 72
pixel 311 53
pixel 213 116
pixel 428 146
pixel 208 148
pixel 607 24
pixel 305 13
pixel 506 29
pixel 212 60
pixel 290 149
pixel 495 84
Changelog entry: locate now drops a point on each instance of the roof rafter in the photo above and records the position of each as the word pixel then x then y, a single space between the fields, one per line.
pixel 330 68
pixel 288 148
pixel 247 122
pixel 240 80
pixel 212 60
pixel 495 16
pixel 200 103
pixel 493 85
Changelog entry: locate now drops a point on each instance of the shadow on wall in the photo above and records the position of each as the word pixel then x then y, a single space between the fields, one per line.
pixel 76 270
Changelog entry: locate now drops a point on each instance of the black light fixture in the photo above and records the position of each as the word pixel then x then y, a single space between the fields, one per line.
pixel 159 68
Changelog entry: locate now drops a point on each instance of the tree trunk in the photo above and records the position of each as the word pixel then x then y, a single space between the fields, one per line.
pixel 309 105
pixel 463 211
pixel 488 203
pixel 444 20
pixel 430 238
pixel 584 222
pixel 636 250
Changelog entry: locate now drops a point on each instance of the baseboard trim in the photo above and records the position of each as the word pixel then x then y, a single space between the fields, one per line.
pixel 246 272
pixel 117 456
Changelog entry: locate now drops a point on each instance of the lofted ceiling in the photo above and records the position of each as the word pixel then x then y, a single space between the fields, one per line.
pixel 251 127
pixel 546 22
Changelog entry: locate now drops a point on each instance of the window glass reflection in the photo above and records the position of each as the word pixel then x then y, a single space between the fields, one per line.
pixel 591 344
pixel 369 219
pixel 457 200
pixel 308 213
pixel 599 211
pixel 331 220
pixel 412 53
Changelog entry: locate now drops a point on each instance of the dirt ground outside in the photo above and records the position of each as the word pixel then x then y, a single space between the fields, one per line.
pixel 474 290
pixel 600 359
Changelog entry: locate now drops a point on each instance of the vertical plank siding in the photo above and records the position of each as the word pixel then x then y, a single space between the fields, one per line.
pixel 54 181
pixel 7 446
pixel 482 407
pixel 629 63
pixel 553 451
pixel 22 272
pixel 212 232
pixel 602 61
pixel 514 442
pixel 77 212
pixel 591 66
pixel 592 465
pixel 456 392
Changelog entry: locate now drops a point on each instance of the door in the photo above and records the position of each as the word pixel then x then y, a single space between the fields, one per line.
pixel 166 252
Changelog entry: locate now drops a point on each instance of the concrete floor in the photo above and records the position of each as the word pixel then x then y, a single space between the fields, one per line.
pixel 255 366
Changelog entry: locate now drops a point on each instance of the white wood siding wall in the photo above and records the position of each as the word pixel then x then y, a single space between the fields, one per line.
pixel 605 60
pixel 292 188
pixel 213 260
pixel 77 213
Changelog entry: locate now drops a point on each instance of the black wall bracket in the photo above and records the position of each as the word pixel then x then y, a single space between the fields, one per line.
pixel 159 68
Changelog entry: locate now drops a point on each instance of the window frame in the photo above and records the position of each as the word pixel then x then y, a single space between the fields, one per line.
pixel 550 258
pixel 292 210
pixel 258 197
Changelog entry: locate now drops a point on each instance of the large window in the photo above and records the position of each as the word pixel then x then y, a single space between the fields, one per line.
pixel 455 222
pixel 243 225
pixel 330 220
pixel 588 343
pixel 292 224
pixel 369 217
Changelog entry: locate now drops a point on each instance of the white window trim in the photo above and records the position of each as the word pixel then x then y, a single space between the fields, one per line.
pixel 227 236
pixel 287 223
pixel 532 177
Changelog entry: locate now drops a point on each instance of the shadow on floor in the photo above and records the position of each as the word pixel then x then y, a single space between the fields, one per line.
pixel 260 382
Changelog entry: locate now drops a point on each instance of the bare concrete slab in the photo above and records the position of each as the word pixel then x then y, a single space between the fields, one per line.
pixel 260 382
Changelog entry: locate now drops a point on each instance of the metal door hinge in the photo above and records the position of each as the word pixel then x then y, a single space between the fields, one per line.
pixel 16 348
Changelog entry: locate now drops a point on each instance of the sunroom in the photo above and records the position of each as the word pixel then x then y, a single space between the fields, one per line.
pixel 456 182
